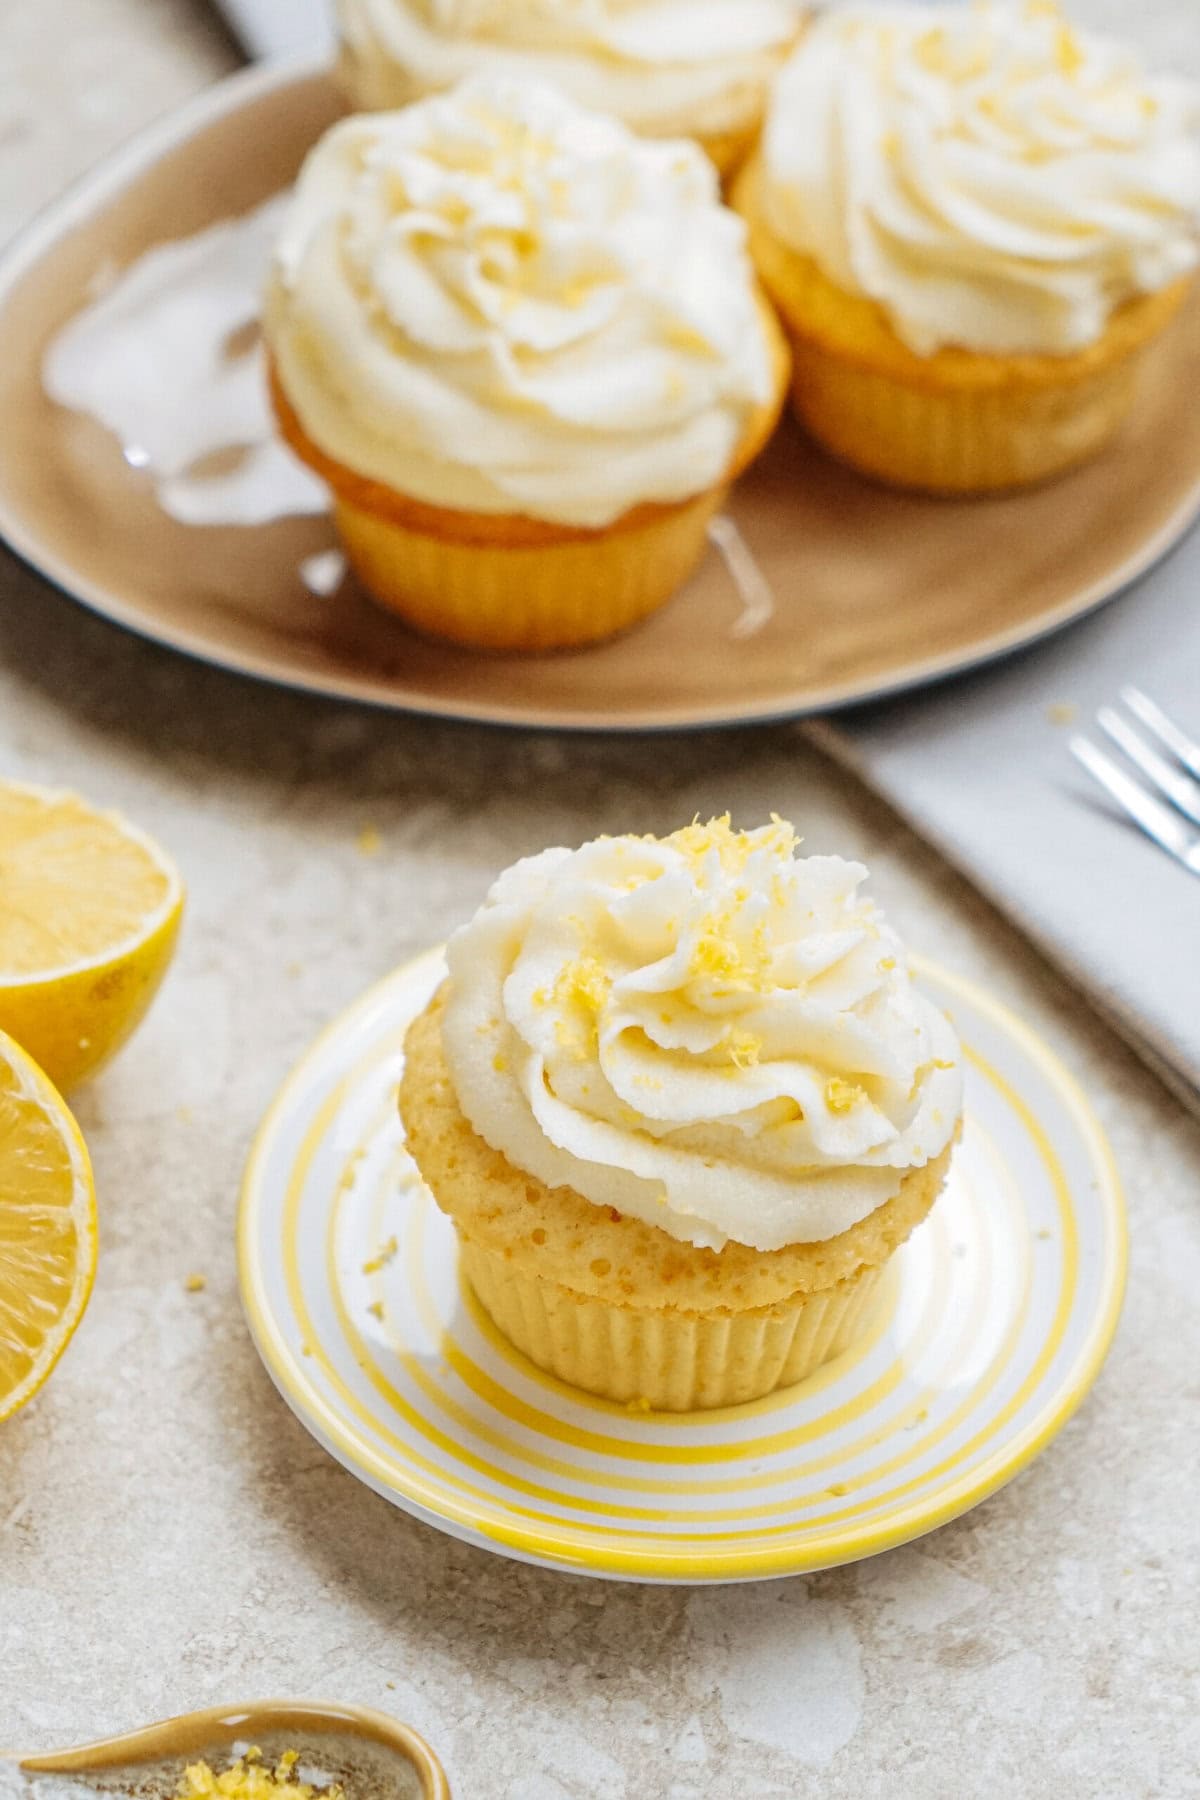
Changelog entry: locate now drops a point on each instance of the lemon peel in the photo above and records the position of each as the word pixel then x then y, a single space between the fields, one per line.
pixel 47 1227
pixel 90 909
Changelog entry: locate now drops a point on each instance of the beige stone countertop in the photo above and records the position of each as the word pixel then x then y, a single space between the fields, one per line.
pixel 170 1537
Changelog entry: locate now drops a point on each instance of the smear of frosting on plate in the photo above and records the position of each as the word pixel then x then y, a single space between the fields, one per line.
pixel 168 358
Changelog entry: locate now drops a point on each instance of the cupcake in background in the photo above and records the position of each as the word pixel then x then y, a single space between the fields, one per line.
pixel 974 221
pixel 682 1101
pixel 527 352
pixel 668 68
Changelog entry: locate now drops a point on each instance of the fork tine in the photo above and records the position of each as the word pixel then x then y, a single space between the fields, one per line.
pixel 1155 819
pixel 1170 780
pixel 1164 729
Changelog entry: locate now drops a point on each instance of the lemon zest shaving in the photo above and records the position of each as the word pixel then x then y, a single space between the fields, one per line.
pixel 249 1778
pixel 744 1049
pixel 584 981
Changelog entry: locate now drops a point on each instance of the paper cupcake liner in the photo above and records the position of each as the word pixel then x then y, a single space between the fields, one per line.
pixel 669 1361
pixel 948 441
pixel 527 597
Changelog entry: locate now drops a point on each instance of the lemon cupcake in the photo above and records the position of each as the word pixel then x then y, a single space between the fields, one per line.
pixel 527 352
pixel 682 1101
pixel 974 221
pixel 668 68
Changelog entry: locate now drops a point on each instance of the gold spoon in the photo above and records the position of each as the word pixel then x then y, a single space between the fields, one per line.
pixel 283 1724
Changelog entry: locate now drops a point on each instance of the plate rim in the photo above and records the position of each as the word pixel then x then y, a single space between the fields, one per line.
pixel 557 1549
pixel 223 99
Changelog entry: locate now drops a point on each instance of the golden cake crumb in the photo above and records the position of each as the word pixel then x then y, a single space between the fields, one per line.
pixel 382 1257
pixel 196 1283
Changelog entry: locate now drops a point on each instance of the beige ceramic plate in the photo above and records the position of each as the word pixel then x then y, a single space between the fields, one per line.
pixel 371 1755
pixel 873 592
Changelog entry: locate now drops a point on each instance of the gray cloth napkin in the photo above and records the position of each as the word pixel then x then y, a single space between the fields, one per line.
pixel 980 767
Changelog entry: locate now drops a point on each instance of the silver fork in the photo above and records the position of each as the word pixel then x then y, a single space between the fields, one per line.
pixel 1172 820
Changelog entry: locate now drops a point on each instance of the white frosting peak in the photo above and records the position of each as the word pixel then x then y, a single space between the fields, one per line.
pixel 992 177
pixel 704 1031
pixel 667 67
pixel 496 302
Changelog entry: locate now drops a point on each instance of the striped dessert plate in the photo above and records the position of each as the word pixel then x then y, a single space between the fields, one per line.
pixel 997 1318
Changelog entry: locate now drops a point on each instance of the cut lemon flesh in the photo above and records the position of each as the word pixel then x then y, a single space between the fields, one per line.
pixel 89 915
pixel 47 1227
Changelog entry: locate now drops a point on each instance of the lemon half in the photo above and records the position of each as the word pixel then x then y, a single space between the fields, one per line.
pixel 89 914
pixel 47 1227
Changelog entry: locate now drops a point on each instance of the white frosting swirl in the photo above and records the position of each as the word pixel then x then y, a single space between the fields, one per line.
pixel 705 1032
pixel 992 177
pixel 667 67
pixel 498 303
